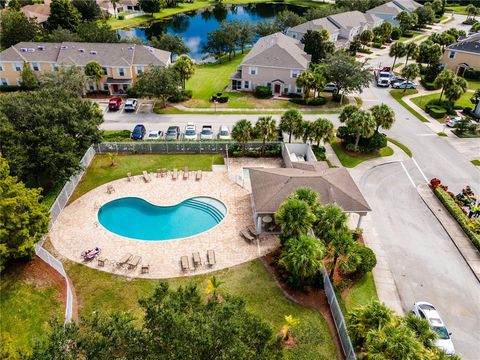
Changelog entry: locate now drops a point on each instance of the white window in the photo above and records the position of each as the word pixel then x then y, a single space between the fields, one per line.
pixel 246 85
pixel 451 54
pixel 4 81
pixel 105 87
pixel 286 89
pixel 35 66
pixel 121 72
pixel 253 70
pixel 18 67
pixel 294 73
pixel 139 70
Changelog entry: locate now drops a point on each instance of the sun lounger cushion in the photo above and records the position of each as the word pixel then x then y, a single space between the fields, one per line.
pixel 211 257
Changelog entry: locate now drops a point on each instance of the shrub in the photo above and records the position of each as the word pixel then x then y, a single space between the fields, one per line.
pixel 467 110
pixel 457 212
pixel 376 142
pixel 408 33
pixel 263 92
pixel 396 33
pixel 364 51
pixel 181 96
pixel 121 17
pixel 319 152
pixel 9 88
pixel 437 112
pixel 377 45
pixel 310 101
pixel 359 261
pixel 336 97
pixel 470 22
pixel 132 92
pixel 428 85
pixel 222 99
pixel 471 74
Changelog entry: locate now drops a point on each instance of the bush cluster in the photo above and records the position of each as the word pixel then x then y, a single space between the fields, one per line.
pixel 364 51
pixel 438 109
pixel 318 101
pixel 121 17
pixel 458 214
pixel 263 92
pixel 9 88
pixel 428 85
pixel 180 96
pixel 408 33
pixel 377 45
pixel 396 33
pixel 376 142
pixel 270 151
pixel 471 74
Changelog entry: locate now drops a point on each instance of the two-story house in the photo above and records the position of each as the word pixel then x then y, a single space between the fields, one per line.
pixel 299 31
pixel 353 23
pixel 463 55
pixel 390 10
pixel 275 61
pixel 121 62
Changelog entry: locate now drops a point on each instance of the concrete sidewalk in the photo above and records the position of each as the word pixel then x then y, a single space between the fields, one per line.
pixel 454 231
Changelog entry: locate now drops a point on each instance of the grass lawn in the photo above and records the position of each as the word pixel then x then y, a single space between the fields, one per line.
pixel 350 159
pixel 361 293
pixel 198 4
pixel 442 134
pixel 473 84
pixel 405 149
pixel 102 291
pixel 475 162
pixel 398 94
pixel 458 9
pixel 464 100
pixel 100 172
pixel 26 307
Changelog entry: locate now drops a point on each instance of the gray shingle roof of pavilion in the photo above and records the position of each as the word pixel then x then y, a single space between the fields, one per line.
pixel 317 24
pixel 277 50
pixel 77 53
pixel 270 187
pixel 470 44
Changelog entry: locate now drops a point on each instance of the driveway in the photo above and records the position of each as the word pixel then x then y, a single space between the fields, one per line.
pixel 424 262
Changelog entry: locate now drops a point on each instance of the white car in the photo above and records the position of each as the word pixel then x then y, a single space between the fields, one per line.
pixel 190 132
pixel 331 87
pixel 206 133
pixel 130 105
pixel 154 135
pixel 427 311
pixel 453 121
pixel 405 85
pixel 224 133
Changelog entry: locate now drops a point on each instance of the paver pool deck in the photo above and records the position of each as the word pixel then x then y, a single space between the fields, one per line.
pixel 77 228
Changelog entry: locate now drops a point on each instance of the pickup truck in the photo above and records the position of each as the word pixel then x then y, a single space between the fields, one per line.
pixel 383 76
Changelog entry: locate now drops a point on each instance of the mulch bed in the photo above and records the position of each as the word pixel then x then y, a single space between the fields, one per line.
pixel 315 299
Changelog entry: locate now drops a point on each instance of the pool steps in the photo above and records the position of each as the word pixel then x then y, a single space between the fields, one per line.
pixel 208 208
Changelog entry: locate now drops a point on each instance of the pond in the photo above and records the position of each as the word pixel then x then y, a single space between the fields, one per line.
pixel 194 26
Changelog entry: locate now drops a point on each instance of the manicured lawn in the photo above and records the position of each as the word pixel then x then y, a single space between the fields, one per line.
pixel 100 172
pixel 401 146
pixel 361 293
pixel 464 101
pixel 350 159
pixel 398 94
pixel 474 84
pixel 456 9
pixel 26 307
pixel 100 291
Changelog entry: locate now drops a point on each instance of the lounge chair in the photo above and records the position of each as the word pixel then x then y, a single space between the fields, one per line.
pixel 159 173
pixel 124 260
pixel 133 263
pixel 185 173
pixel 247 236
pixel 198 175
pixel 197 261
pixel 90 254
pixel 184 263
pixel 146 176
pixel 145 269
pixel 164 172
pixel 211 258
pixel 174 174
pixel 129 176
pixel 253 231
pixel 110 189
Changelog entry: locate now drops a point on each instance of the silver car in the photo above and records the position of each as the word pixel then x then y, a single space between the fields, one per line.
pixel 224 133
pixel 207 133
pixel 190 132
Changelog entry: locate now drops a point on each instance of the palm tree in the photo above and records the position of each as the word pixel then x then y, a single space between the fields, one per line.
pixel 114 4
pixel 308 195
pixel 397 50
pixel 294 217
pixel 290 322
pixel 290 122
pixel 410 72
pixel 361 124
pixel 306 80
pixel 242 133
pixel 456 89
pixel 330 219
pixel 185 68
pixel 472 11
pixel 306 132
pixel 266 129
pixel 340 244
pixel 411 51
pixel 112 156
pixel 94 71
pixel 347 112
pixel 366 36
pixel 303 256
pixel 213 285
pixel 322 129
pixel 443 80
pixel 421 328
pixel 383 115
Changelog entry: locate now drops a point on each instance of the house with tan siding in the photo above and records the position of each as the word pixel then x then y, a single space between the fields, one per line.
pixel 463 55
pixel 121 62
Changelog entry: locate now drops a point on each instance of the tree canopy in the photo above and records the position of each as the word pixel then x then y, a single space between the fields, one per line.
pixel 63 14
pixel 23 220
pixel 295 218
pixel 159 82
pixel 16 27
pixel 170 42
pixel 317 44
pixel 89 10
pixel 242 132
pixel 150 6
pixel 97 31
pixel 46 132
pixel 290 122
pixel 185 68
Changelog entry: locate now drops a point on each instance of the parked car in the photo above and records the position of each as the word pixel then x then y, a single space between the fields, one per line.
pixel 397 80
pixel 173 133
pixel 383 77
pixel 427 311
pixel 114 104
pixel 331 87
pixel 190 131
pixel 131 105
pixel 453 121
pixel 206 133
pixel 138 132
pixel 155 135
pixel 224 133
pixel 405 85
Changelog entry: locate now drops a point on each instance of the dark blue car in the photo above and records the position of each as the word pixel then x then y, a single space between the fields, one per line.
pixel 138 132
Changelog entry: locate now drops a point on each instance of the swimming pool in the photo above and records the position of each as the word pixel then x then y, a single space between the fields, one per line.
pixel 136 218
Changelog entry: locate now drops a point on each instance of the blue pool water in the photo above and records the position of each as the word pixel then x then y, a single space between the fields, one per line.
pixel 136 218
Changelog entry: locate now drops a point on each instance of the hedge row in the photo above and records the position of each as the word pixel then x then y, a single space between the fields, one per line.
pixel 458 214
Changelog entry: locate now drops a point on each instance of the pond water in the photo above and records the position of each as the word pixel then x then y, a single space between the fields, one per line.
pixel 194 26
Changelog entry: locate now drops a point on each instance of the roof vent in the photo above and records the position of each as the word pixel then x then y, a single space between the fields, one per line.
pixel 93 52
pixel 41 48
pixel 23 49
pixel 63 47
pixel 30 50
pixel 81 50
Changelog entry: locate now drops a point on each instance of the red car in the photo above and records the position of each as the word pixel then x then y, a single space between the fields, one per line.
pixel 114 103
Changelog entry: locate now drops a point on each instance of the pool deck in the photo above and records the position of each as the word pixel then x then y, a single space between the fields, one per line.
pixel 77 228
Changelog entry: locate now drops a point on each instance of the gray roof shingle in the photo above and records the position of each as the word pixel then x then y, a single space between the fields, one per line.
pixel 351 19
pixel 470 44
pixel 317 24
pixel 387 8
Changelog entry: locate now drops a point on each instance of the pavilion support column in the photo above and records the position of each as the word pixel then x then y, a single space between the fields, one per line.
pixel 259 224
pixel 360 217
